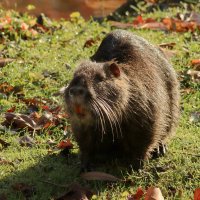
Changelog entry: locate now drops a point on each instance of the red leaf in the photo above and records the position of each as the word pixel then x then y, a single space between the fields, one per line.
pixel 12 109
pixel 45 107
pixel 89 43
pixel 195 62
pixel 138 20
pixel 197 194
pixel 139 194
pixel 65 144
pixel 6 88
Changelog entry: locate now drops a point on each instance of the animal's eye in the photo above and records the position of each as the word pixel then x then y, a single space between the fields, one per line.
pixel 99 78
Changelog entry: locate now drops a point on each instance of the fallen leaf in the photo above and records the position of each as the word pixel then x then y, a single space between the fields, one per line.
pixel 179 25
pixel 154 26
pixel 76 192
pixel 138 20
pixel 12 109
pixel 65 144
pixel 90 42
pixel 5 61
pixel 6 88
pixel 154 193
pixel 4 144
pixel 139 194
pixel 197 194
pixel 120 24
pixel 99 176
pixel 45 120
pixel 196 64
pixel 19 121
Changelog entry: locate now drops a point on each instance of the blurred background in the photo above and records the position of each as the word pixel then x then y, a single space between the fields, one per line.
pixel 57 9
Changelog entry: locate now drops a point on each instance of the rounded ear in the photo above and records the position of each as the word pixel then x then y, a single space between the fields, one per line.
pixel 114 69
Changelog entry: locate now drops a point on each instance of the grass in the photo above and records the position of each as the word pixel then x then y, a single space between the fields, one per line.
pixel 177 173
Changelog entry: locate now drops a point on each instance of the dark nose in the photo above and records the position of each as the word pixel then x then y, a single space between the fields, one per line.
pixel 77 91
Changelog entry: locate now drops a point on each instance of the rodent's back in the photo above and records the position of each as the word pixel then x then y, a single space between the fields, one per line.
pixel 149 72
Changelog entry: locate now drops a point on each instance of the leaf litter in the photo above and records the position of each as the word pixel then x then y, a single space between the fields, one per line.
pixel 165 24
pixel 76 192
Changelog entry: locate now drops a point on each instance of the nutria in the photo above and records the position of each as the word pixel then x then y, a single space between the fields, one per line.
pixel 124 101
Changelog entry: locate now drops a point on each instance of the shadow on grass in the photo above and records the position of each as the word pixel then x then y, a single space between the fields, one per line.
pixel 55 169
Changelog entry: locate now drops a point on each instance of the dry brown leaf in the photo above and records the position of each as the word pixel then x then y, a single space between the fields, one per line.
pixel 90 42
pixel 6 88
pixel 32 123
pixel 5 61
pixel 179 25
pixel 76 192
pixel 154 193
pixel 19 121
pixel 120 24
pixel 99 176
pixel 154 26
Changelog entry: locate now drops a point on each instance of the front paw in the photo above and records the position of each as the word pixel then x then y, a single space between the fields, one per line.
pixel 159 151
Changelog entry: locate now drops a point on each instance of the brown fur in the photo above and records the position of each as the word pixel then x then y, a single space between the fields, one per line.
pixel 125 115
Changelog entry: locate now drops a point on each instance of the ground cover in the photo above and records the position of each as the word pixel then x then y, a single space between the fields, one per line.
pixel 38 57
